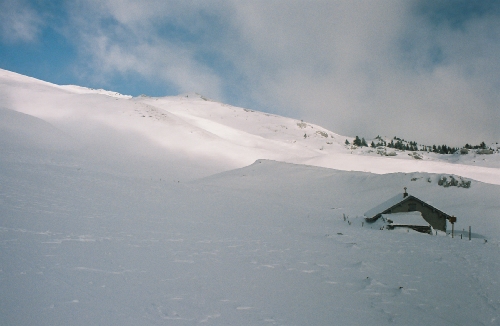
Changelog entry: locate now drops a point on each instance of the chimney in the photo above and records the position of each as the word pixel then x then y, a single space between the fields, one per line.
pixel 405 194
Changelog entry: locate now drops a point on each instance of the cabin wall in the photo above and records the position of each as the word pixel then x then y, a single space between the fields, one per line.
pixel 432 216
pixel 421 229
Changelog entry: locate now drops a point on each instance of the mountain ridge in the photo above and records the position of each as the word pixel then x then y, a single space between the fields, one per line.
pixel 203 131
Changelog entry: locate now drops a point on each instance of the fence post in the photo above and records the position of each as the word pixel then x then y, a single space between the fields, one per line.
pixel 469 232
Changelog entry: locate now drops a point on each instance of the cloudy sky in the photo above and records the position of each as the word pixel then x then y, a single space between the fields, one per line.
pixel 423 70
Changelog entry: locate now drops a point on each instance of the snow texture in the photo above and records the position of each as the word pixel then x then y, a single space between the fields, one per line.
pixel 184 211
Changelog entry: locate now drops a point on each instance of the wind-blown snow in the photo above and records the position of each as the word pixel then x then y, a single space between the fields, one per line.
pixel 178 210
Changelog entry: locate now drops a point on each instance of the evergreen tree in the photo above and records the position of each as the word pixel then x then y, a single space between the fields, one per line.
pixel 363 142
pixel 372 144
pixel 347 142
pixel 357 141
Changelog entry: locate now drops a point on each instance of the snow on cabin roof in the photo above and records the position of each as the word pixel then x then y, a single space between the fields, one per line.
pixel 384 206
pixel 407 218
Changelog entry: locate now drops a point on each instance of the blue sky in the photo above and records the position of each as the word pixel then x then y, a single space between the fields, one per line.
pixel 423 70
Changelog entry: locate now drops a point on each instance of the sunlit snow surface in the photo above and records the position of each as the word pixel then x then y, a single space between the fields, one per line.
pixel 120 211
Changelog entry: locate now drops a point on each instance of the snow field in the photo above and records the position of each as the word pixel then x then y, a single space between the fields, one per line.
pixel 180 211
pixel 249 246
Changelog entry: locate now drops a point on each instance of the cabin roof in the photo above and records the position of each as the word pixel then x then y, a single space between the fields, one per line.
pixel 384 207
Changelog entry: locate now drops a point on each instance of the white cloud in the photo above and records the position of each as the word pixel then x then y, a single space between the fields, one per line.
pixel 19 22
pixel 356 67
pixel 122 37
pixel 341 64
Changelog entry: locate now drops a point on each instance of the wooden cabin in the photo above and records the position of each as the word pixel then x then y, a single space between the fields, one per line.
pixel 407 220
pixel 402 203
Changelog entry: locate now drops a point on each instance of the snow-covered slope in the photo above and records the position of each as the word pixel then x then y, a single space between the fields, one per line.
pixel 191 129
pixel 266 244
pixel 153 211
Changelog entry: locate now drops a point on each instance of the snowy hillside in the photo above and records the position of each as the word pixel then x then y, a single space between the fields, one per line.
pixel 191 129
pixel 183 211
